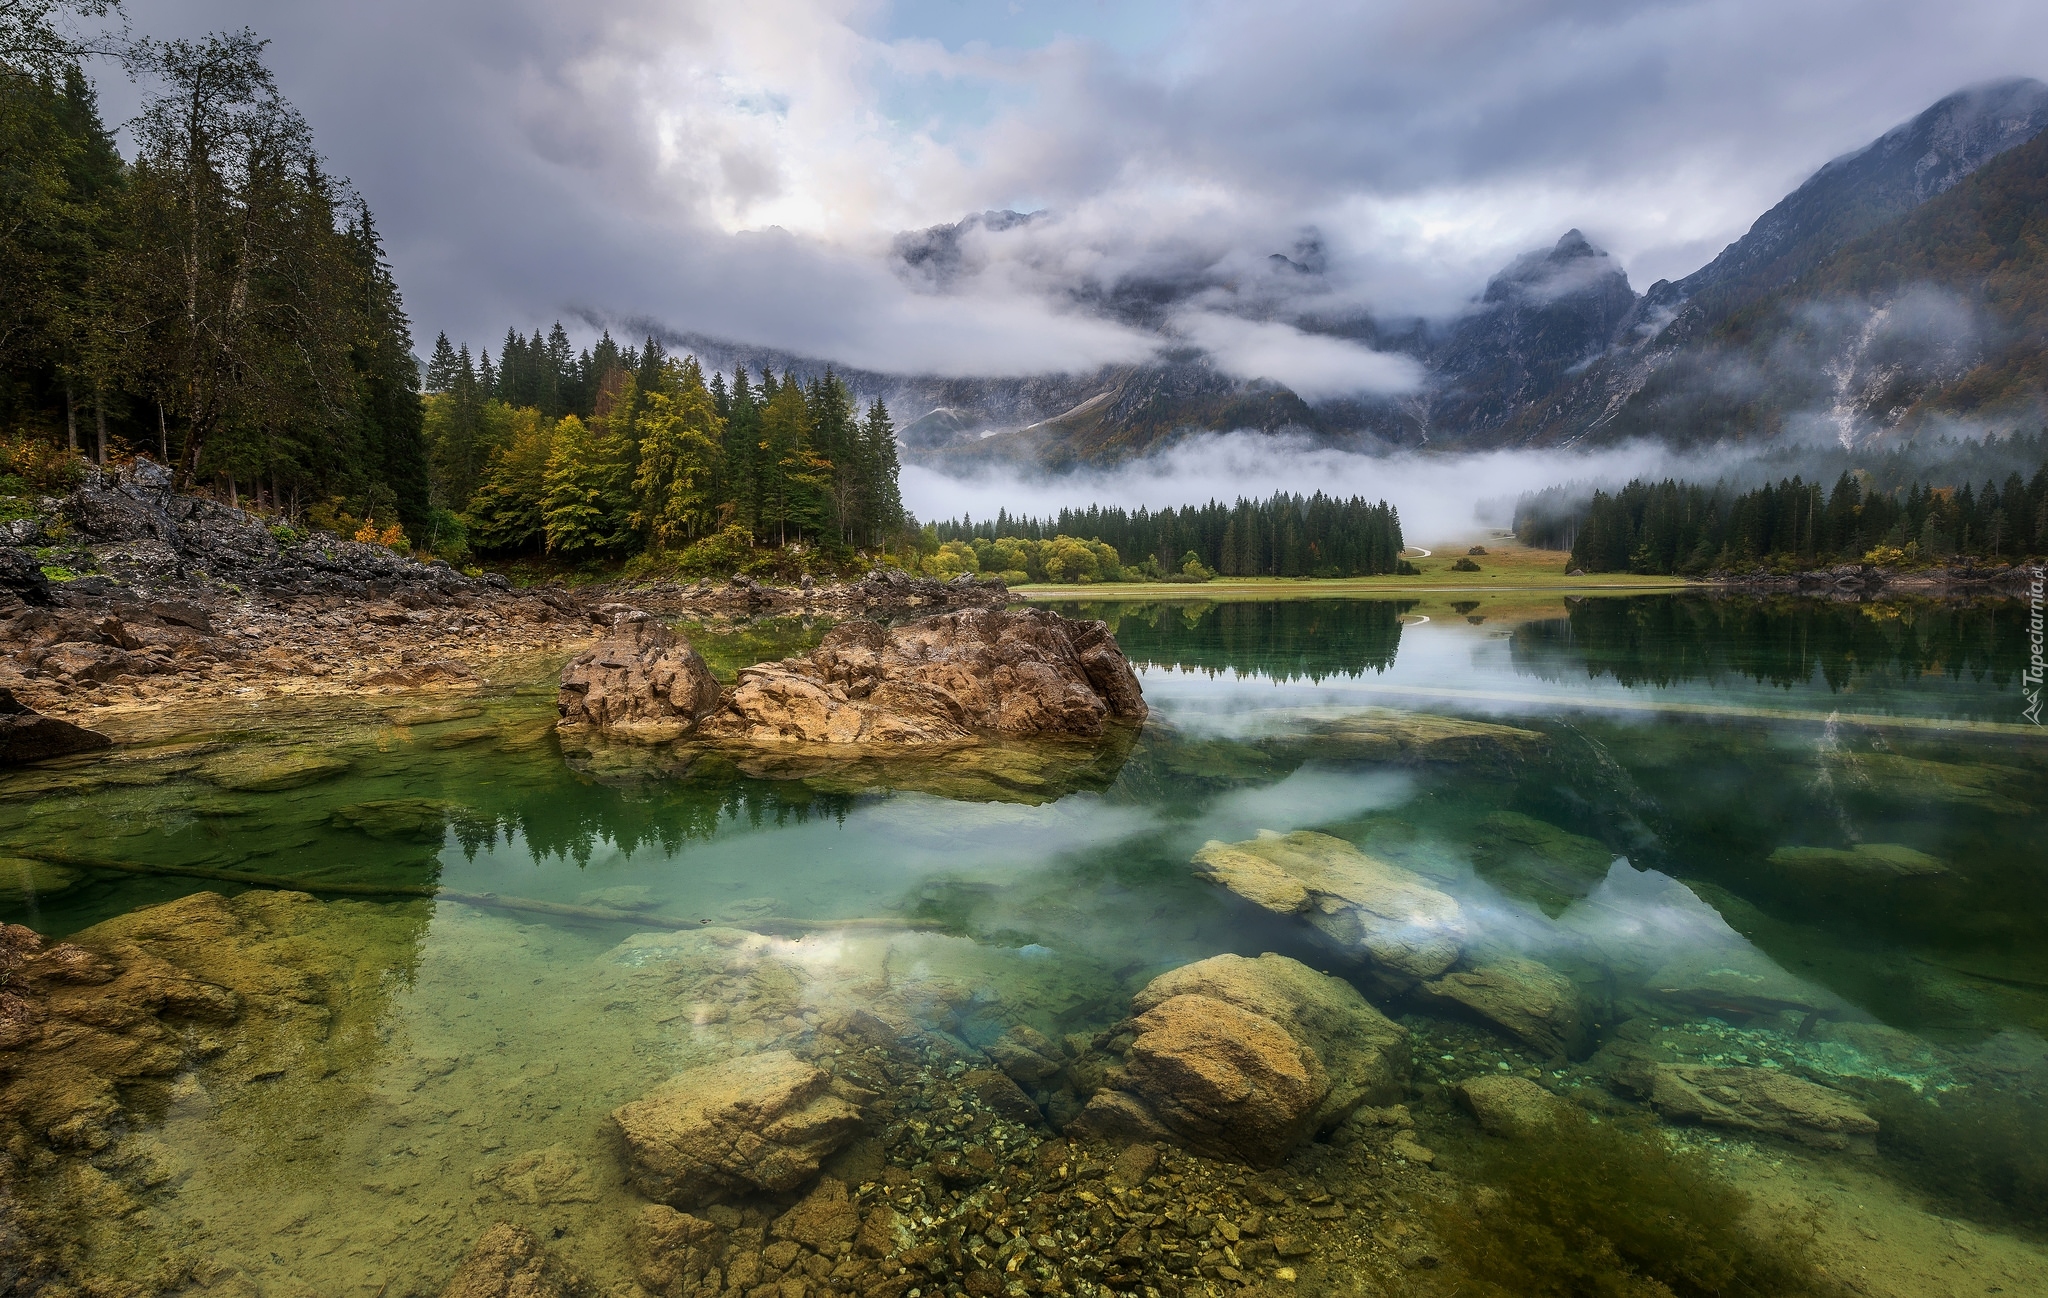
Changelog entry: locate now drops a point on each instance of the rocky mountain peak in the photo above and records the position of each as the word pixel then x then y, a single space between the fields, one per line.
pixel 1861 190
pixel 1574 267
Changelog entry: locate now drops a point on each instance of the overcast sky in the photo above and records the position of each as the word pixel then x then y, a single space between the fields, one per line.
pixel 738 167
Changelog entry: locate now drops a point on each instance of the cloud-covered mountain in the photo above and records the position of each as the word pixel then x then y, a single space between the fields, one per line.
pixel 1848 307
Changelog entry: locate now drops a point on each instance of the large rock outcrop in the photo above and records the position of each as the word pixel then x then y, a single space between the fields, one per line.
pixel 640 680
pixel 757 1123
pixel 941 680
pixel 29 736
pixel 1369 909
pixel 945 681
pixel 1244 1059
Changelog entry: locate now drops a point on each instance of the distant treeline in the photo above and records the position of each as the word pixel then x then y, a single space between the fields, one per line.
pixel 1676 527
pixel 1282 536
pixel 621 451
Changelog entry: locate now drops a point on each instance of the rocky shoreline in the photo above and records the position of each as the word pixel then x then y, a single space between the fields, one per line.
pixel 160 599
pixel 1862 581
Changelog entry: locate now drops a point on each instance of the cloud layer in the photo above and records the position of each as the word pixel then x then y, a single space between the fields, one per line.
pixel 741 170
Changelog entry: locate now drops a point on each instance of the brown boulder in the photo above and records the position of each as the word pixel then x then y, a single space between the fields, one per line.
pixel 760 1122
pixel 508 1262
pixel 29 736
pixel 641 681
pixel 941 681
pixel 1243 1059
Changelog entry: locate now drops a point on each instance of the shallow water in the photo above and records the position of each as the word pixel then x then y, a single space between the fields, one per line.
pixel 465 1074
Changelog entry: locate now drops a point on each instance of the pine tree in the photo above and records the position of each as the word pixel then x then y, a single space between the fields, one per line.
pixel 881 510
pixel 743 453
pixel 441 369
pixel 681 440
pixel 796 481
pixel 587 500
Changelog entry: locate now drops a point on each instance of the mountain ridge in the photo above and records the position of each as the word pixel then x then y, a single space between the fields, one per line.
pixel 1557 349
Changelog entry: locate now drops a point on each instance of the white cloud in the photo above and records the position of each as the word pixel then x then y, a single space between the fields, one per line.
pixel 1313 365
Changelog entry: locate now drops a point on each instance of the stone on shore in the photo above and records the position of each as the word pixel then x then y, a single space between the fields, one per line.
pixel 1765 1100
pixel 29 736
pixel 640 681
pixel 1244 1059
pixel 944 680
pixel 1528 1000
pixel 1368 908
pixel 758 1123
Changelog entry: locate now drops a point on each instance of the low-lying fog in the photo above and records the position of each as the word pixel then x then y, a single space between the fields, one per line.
pixel 1441 497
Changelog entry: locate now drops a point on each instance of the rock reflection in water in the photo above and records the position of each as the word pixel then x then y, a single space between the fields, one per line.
pixel 1808 934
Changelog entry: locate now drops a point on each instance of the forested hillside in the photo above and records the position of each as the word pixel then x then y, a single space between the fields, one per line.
pixel 219 300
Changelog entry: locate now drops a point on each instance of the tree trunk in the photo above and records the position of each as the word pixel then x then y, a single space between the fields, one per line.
pixel 99 412
pixel 234 496
pixel 70 417
pixel 163 435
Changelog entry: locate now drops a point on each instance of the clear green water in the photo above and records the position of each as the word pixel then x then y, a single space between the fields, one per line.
pixel 465 1075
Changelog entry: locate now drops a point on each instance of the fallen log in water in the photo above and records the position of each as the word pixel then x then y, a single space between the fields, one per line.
pixel 487 900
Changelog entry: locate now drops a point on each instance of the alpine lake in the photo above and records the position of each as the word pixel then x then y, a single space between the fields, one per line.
pixel 1792 836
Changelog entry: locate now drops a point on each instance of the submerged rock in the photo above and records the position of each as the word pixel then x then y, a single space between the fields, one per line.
pixel 641 681
pixel 760 1122
pixel 1509 1106
pixel 1367 907
pixel 1764 1100
pixel 1863 861
pixel 29 736
pixel 944 680
pixel 509 1262
pixel 1393 734
pixel 268 770
pixel 1244 1059
pixel 1738 980
pixel 1536 860
pixel 1529 1000
pixel 23 880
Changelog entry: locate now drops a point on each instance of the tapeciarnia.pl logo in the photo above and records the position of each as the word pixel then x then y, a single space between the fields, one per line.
pixel 2030 680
